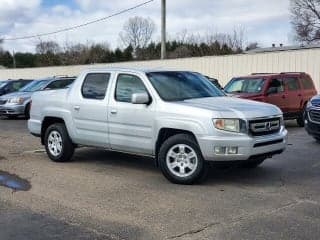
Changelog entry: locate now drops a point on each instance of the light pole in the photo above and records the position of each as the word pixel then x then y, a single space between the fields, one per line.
pixel 14 59
pixel 163 29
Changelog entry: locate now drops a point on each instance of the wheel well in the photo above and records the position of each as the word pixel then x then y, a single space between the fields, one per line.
pixel 164 134
pixel 48 121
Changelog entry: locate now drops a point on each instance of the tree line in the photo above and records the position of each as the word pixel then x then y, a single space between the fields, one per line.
pixel 53 55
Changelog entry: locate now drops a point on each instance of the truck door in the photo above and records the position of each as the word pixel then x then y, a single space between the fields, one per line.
pixel 90 110
pixel 130 125
pixel 276 94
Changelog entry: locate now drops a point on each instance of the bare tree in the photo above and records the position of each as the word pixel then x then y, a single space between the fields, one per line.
pixel 137 32
pixel 44 47
pixel 306 20
pixel 48 53
pixel 235 40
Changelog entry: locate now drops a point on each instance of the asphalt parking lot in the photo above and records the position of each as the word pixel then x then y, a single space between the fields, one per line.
pixel 106 195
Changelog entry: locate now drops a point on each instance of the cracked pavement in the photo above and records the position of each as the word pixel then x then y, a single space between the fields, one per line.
pixel 107 195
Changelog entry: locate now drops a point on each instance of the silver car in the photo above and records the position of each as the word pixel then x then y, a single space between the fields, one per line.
pixel 18 103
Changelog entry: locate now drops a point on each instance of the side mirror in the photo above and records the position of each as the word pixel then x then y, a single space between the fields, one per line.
pixel 140 98
pixel 272 90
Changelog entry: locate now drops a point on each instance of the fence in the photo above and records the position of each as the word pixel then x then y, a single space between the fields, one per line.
pixel 220 67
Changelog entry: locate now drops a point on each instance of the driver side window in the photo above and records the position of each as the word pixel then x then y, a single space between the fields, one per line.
pixel 126 86
pixel 276 86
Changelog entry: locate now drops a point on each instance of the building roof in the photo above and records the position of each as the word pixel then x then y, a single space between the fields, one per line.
pixel 283 48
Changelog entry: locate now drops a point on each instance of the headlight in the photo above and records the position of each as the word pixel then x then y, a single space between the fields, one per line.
pixel 309 104
pixel 18 100
pixel 231 125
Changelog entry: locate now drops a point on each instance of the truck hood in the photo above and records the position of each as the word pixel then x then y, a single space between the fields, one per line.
pixel 230 107
pixel 24 95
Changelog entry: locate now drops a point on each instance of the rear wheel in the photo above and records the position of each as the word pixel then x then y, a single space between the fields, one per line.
pixel 181 161
pixel 59 146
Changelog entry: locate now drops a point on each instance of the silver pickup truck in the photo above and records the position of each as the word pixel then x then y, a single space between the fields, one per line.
pixel 177 117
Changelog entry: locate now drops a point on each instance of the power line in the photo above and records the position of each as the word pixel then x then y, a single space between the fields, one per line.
pixel 78 26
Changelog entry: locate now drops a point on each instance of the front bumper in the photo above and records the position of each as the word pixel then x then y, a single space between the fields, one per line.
pixel 248 146
pixel 12 110
pixel 313 128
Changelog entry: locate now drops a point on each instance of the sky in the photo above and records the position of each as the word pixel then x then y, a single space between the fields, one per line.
pixel 265 22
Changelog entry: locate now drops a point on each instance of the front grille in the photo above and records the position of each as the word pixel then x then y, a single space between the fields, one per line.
pixel 260 127
pixel 314 116
pixel 2 102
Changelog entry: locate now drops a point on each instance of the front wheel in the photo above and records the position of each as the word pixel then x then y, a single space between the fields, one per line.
pixel 181 161
pixel 59 146
pixel 27 111
pixel 302 117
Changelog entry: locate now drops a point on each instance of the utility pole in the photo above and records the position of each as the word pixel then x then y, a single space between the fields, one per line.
pixel 163 29
pixel 14 59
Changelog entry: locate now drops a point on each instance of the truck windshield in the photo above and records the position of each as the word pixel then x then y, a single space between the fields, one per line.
pixel 179 86
pixel 244 85
pixel 34 86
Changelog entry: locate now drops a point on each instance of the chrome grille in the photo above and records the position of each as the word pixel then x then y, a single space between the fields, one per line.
pixel 314 116
pixel 260 127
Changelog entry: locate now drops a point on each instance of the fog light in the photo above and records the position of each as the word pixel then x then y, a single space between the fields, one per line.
pixel 232 150
pixel 220 150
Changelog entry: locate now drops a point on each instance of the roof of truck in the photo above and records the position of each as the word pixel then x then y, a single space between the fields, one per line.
pixel 134 69
pixel 257 75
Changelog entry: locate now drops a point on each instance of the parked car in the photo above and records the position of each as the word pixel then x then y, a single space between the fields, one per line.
pixel 9 86
pixel 177 117
pixel 18 103
pixel 312 118
pixel 290 91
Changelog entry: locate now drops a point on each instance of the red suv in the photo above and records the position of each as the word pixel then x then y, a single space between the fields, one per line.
pixel 290 91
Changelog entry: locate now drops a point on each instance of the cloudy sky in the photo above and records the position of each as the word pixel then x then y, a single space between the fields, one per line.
pixel 264 21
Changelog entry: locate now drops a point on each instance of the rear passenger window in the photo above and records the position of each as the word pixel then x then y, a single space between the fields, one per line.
pixel 128 85
pixel 95 85
pixel 307 83
pixel 292 83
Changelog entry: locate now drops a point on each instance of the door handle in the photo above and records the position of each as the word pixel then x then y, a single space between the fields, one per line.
pixel 283 96
pixel 299 95
pixel 77 108
pixel 113 111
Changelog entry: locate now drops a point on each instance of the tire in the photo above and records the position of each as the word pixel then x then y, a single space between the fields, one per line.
pixel 301 118
pixel 27 112
pixel 57 135
pixel 187 168
pixel 254 163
